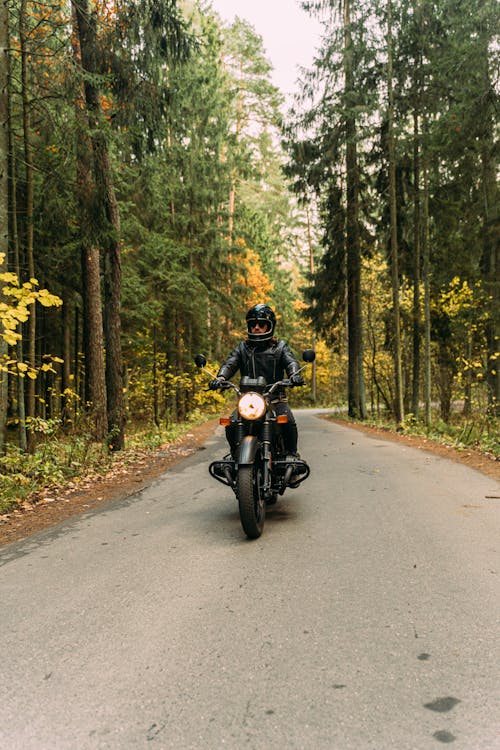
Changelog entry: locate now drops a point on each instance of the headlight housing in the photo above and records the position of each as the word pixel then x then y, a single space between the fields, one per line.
pixel 251 406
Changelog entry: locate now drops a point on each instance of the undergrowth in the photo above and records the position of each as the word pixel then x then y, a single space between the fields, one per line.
pixel 480 432
pixel 60 459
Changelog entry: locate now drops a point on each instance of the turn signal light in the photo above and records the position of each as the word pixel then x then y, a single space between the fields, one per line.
pixel 224 421
pixel 281 419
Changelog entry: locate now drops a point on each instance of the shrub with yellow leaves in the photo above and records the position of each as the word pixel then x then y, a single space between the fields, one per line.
pixel 15 302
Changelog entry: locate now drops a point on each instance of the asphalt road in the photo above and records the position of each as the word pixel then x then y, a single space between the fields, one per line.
pixel 366 616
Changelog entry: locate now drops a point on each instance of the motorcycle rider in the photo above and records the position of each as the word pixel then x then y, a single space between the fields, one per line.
pixel 263 354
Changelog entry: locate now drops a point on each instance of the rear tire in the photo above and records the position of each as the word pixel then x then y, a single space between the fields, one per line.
pixel 250 501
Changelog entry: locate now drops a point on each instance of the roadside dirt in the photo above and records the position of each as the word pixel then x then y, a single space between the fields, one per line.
pixel 52 507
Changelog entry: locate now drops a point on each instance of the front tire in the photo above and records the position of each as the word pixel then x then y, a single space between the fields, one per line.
pixel 250 500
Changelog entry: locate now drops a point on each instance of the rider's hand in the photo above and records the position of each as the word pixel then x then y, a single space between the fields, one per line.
pixel 216 383
pixel 296 379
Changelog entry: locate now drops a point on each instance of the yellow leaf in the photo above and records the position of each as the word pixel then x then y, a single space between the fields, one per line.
pixel 10 337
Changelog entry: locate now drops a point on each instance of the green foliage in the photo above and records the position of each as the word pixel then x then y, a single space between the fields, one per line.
pixel 191 120
pixel 445 138
pixel 62 461
pixel 480 432
pixel 56 460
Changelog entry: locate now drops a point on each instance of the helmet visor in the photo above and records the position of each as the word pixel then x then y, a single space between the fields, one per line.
pixel 262 323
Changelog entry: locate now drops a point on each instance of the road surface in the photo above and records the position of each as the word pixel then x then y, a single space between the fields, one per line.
pixel 366 616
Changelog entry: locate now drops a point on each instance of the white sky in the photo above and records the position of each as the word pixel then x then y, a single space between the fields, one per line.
pixel 290 35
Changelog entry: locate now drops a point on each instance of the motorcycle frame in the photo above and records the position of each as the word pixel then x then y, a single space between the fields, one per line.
pixel 293 471
pixel 249 446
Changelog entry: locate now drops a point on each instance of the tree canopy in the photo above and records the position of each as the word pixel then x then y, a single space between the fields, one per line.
pixel 157 187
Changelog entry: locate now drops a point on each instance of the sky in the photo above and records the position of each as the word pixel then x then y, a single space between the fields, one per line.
pixel 290 35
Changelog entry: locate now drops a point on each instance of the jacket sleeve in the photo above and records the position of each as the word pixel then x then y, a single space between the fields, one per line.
pixel 289 362
pixel 231 365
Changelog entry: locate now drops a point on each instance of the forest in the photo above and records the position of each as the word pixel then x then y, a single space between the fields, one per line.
pixel 154 184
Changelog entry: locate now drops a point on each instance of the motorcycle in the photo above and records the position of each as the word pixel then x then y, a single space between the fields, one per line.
pixel 261 469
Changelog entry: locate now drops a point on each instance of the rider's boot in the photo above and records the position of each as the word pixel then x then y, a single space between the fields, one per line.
pixel 291 438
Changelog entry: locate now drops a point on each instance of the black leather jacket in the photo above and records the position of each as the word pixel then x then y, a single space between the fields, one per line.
pixel 270 359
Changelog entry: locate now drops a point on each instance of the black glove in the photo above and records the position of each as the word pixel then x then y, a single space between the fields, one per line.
pixel 296 379
pixel 216 383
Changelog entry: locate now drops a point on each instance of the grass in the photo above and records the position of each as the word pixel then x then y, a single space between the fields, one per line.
pixel 480 432
pixel 60 458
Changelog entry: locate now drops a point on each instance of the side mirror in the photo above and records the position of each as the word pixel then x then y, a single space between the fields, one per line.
pixel 200 360
pixel 309 355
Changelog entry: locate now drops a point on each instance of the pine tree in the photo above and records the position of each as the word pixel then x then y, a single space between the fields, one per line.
pixel 4 195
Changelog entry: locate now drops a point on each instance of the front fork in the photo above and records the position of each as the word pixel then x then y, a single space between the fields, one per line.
pixel 265 440
pixel 266 458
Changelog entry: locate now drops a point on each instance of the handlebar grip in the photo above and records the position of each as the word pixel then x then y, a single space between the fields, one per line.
pixel 219 385
pixel 216 384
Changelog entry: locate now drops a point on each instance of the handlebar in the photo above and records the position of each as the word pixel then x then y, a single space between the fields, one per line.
pixel 224 385
pixel 227 384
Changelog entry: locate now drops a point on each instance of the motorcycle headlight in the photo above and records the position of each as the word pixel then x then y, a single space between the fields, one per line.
pixel 251 406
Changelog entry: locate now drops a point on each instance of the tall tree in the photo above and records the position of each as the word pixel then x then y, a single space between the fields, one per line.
pixel 398 405
pixel 4 193
pixel 256 100
pixel 416 96
pixel 490 203
pixel 24 39
pixel 426 253
pixel 108 218
pixel 356 386
pixel 95 381
pixel 14 244
pixel 328 162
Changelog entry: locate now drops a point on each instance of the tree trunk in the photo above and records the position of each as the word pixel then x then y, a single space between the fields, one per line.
pixel 232 203
pixel 66 367
pixel 95 378
pixel 109 229
pixel 490 214
pixel 232 191
pixel 28 160
pixel 77 365
pixel 356 389
pixel 93 341
pixel 415 397
pixel 14 242
pixel 491 270
pixel 427 280
pixel 4 196
pixel 156 384
pixel 14 247
pixel 112 304
pixel 417 215
pixel 467 410
pixel 398 401
pixel 311 271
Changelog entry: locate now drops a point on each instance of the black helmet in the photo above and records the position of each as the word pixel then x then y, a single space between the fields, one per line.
pixel 264 314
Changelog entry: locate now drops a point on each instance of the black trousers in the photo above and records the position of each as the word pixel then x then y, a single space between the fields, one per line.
pixel 289 430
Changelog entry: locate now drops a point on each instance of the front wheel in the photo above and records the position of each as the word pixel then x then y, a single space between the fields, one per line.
pixel 250 500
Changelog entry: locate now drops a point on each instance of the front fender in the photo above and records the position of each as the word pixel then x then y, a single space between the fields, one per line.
pixel 248 450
